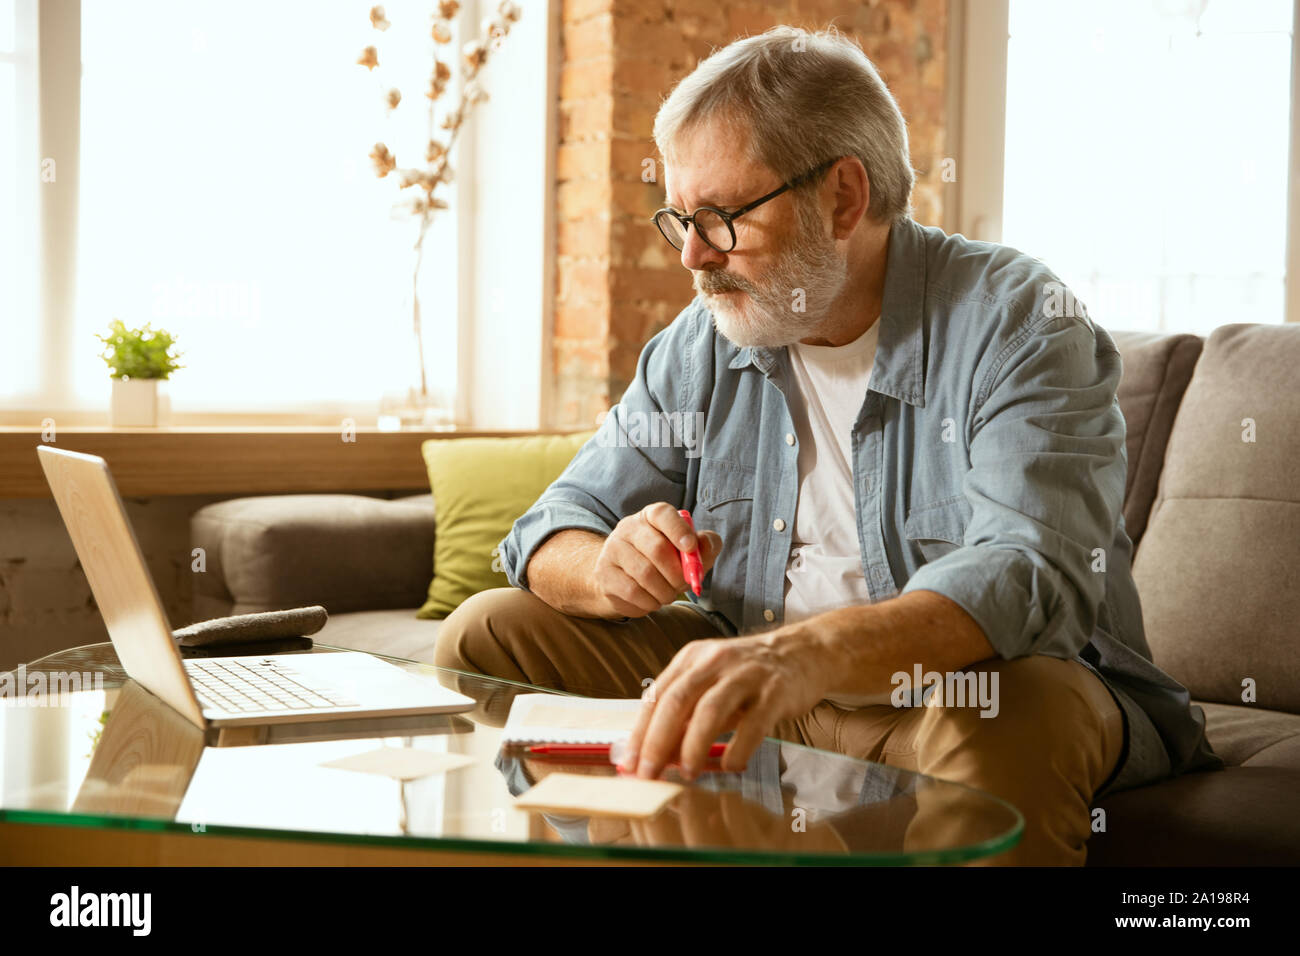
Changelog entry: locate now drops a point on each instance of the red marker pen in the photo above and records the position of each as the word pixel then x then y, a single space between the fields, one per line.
pixel 692 568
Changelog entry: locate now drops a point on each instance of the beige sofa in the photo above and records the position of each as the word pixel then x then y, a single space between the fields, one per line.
pixel 1212 504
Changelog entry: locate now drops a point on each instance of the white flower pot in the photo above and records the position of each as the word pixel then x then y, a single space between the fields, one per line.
pixel 135 403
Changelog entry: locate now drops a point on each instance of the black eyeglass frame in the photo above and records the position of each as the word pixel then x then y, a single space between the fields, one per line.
pixel 730 217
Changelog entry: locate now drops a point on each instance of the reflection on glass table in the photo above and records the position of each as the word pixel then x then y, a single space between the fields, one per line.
pixel 114 757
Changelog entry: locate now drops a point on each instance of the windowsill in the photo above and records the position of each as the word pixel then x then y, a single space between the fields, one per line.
pixel 97 420
pixel 235 459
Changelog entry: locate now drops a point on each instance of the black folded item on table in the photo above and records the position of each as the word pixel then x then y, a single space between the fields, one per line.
pixel 265 632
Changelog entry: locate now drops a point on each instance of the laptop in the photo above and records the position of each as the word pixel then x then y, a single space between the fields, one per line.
pixel 310 696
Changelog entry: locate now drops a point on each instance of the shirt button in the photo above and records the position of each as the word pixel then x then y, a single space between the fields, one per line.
pixel 789 438
pixel 778 524
pixel 768 615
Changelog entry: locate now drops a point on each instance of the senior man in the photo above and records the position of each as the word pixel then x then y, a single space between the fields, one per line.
pixel 911 461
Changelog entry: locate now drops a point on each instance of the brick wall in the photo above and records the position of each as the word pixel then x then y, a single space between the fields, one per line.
pixel 618 282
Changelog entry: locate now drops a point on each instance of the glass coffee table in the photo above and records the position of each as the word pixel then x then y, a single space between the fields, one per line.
pixel 96 771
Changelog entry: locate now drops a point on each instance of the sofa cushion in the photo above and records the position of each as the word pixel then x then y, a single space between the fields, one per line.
pixel 482 485
pixel 1250 736
pixel 1239 816
pixel 1157 368
pixel 345 552
pixel 394 633
pixel 1217 566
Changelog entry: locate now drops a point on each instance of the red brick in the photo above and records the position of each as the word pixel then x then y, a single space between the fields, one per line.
pixel 582 199
pixel 622 365
pixel 745 20
pixel 584 159
pixel 632 193
pixel 637 243
pixel 627 159
pixel 642 11
pixel 583 79
pixel 631 283
pixel 636 200
pixel 634 116
pixel 583 282
pixel 646 77
pixel 707 20
pixel 583 238
pixel 589 118
pixel 638 322
pixel 589 38
pixel 650 251
pixel 571 11
pixel 580 321
pixel 617 282
pixel 582 357
pixel 661 43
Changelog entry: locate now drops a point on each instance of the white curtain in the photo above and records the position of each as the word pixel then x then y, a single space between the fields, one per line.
pixel 20 340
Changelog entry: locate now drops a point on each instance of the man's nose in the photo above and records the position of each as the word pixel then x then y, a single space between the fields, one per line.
pixel 696 253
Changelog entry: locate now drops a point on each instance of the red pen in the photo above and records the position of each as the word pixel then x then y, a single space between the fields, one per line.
pixel 692 568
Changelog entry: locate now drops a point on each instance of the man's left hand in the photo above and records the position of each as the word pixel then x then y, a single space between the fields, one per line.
pixel 745 684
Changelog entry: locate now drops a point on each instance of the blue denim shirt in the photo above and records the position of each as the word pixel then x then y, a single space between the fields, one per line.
pixel 988 466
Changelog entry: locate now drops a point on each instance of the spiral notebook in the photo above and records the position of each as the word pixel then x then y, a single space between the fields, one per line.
pixel 553 719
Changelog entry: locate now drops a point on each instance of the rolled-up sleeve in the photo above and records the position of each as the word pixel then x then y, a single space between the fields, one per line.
pixel 627 464
pixel 1045 485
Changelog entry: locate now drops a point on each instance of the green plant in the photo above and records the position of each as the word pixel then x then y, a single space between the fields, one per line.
pixel 139 353
pixel 98 732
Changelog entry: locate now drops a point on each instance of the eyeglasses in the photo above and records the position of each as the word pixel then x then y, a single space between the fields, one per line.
pixel 715 226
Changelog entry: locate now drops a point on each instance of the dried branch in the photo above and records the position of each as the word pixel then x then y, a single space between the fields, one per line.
pixel 474 56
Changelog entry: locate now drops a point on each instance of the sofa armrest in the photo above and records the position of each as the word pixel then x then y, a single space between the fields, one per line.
pixel 1157 370
pixel 345 552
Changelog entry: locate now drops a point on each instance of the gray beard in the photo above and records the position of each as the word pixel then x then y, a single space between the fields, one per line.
pixel 765 317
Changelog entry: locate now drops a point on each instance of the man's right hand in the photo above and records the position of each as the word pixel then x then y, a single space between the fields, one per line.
pixel 639 568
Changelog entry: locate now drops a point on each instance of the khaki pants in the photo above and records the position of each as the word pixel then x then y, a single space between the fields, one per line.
pixel 1055 741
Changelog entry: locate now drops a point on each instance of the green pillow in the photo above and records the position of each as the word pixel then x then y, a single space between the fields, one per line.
pixel 480 486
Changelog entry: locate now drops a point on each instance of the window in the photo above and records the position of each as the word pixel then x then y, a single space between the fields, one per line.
pixel 226 194
pixel 223 190
pixel 1146 156
pixel 18 195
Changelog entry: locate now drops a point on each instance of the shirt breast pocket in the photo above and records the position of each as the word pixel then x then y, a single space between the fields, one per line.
pixel 725 504
pixel 938 528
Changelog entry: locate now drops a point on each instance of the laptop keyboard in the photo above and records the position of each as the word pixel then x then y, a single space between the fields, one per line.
pixel 259 685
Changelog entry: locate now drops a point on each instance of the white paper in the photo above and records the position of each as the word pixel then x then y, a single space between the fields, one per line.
pixel 553 719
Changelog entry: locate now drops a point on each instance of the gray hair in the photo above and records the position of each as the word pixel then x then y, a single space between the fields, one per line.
pixel 801 98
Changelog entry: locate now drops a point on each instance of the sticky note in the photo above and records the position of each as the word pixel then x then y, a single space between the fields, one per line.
pixel 593 795
pixel 401 763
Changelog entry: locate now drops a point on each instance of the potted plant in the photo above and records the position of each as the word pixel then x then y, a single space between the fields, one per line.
pixel 139 359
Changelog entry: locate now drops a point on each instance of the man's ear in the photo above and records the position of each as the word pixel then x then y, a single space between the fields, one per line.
pixel 852 192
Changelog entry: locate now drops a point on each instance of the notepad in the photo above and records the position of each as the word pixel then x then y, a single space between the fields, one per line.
pixel 552 719
pixel 599 795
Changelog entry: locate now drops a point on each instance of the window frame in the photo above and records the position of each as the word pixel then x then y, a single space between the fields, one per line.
pixel 978 32
pixel 527 307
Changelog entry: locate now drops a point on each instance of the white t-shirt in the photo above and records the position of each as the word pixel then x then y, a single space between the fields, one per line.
pixel 824 570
